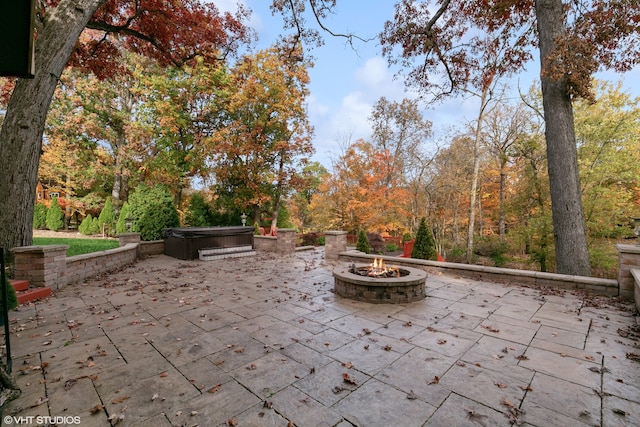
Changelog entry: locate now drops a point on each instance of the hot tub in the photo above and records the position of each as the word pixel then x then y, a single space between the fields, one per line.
pixel 184 243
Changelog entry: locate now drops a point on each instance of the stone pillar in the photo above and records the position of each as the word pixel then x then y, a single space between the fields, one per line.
pixel 286 241
pixel 41 265
pixel 124 238
pixel 628 259
pixel 334 243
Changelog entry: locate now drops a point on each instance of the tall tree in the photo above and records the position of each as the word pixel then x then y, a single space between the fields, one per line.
pixel 443 47
pixel 265 135
pixel 171 32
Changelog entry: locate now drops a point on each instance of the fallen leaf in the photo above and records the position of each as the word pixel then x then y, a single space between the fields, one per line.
pixel 119 400
pixel 411 395
pixel 348 365
pixel 500 385
pixel 348 379
pixel 239 350
pixel 193 413
pixel 154 397
pixel 366 347
pixel 214 389
pixel 491 329
pixel 435 380
pixel 442 341
pixel 366 331
pixel 96 409
pixel 407 324
pixel 619 412
pixel 267 404
pixel 506 402
pixel 178 413
pixel 218 362
pixel 69 383
pixel 387 347
pixel 164 375
pixel 589 357
pixel 337 389
pixel 522 357
pixel 527 388
pixel 232 422
pixel 252 367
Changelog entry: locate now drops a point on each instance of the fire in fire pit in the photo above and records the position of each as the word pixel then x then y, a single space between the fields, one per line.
pixel 376 269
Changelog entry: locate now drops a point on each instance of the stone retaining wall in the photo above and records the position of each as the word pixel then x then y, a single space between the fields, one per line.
pixel 478 272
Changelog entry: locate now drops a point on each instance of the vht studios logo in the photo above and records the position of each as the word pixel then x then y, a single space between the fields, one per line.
pixel 41 419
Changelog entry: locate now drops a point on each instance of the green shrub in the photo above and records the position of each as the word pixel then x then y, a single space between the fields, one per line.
pixel 406 237
pixel 391 247
pixel 55 216
pixel 493 248
pixel 121 225
pixel 12 299
pixel 424 246
pixel 152 210
pixel 199 212
pixel 40 216
pixel 94 228
pixel 363 243
pixel 85 225
pixel 320 241
pixel 256 229
pixel 457 254
pixel 107 218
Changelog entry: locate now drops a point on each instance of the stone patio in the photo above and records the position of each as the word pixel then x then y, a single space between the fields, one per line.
pixel 264 341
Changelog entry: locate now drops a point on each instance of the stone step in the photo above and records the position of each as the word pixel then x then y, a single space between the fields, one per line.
pixel 26 294
pixel 226 250
pixel 19 285
pixel 235 254
pixel 33 294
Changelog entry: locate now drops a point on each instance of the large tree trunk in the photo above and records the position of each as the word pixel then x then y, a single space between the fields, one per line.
pixel 572 255
pixel 21 134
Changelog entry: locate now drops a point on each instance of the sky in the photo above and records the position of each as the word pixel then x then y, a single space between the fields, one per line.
pixel 346 83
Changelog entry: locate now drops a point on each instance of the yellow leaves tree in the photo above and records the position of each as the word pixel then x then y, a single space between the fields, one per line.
pixel 265 135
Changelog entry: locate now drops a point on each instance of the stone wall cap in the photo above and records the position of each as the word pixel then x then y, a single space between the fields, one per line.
pixel 629 249
pixel 335 232
pixel 40 248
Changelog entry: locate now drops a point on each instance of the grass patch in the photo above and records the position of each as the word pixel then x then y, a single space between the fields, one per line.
pixel 77 246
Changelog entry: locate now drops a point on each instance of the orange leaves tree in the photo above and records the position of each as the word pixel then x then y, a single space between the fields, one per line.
pixel 170 32
pixel 362 192
pixel 445 46
pixel 264 134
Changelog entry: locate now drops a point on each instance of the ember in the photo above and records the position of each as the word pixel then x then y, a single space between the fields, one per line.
pixel 376 269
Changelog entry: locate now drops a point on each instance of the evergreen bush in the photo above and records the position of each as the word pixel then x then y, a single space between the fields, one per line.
pixel 199 213
pixel 363 243
pixel 121 225
pixel 107 218
pixel 12 299
pixel 55 216
pixel 152 210
pixel 40 216
pixel 94 228
pixel 424 246
pixel 85 225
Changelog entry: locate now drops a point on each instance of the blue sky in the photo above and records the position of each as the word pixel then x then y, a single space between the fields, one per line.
pixel 345 84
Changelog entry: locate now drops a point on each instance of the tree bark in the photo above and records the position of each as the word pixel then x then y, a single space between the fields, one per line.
pixel 572 255
pixel 21 133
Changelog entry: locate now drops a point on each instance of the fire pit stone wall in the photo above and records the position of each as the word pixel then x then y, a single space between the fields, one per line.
pixel 396 290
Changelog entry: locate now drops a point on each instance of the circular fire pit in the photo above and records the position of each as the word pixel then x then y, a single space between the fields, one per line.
pixel 357 283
